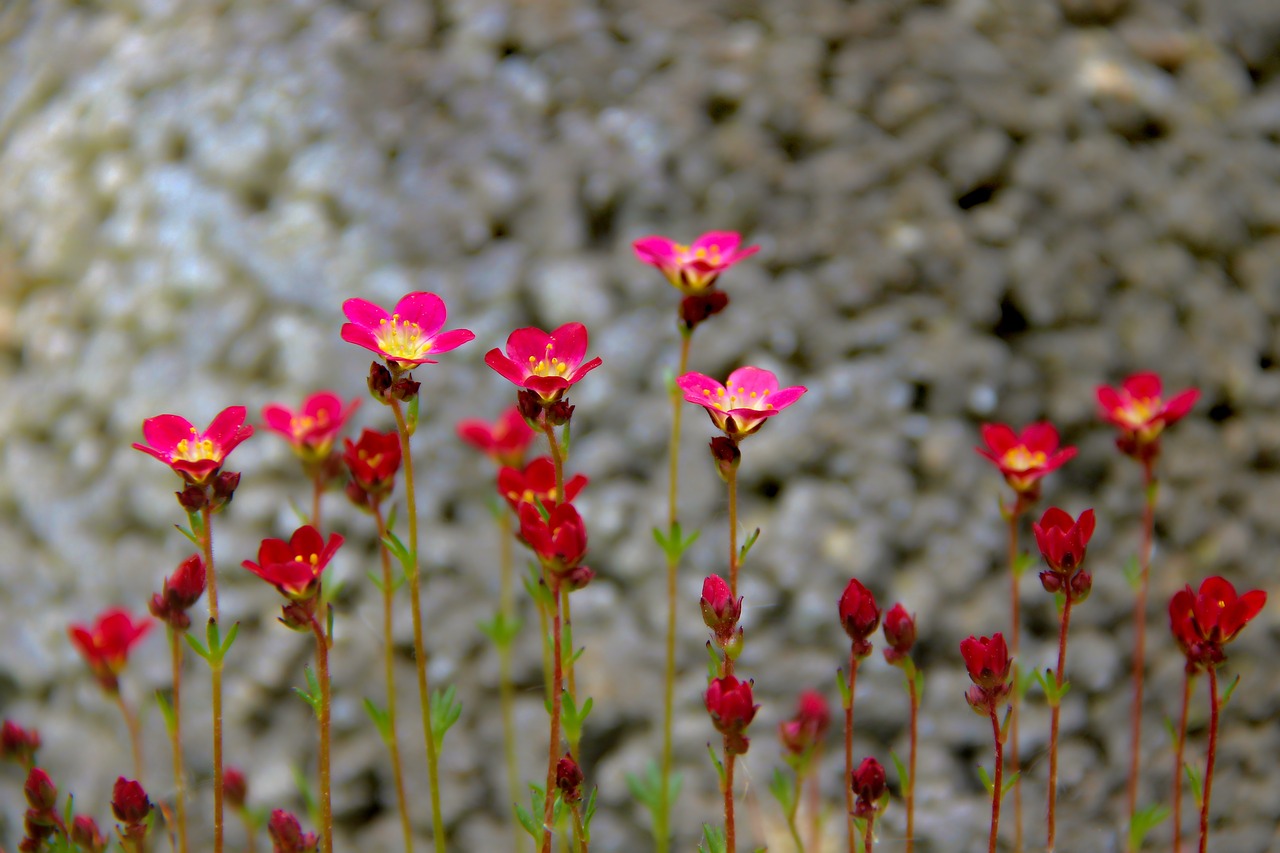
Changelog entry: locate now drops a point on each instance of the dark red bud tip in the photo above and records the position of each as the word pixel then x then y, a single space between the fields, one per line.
pixel 192 498
pixel 899 630
pixel 1081 586
pixel 42 794
pixel 224 488
pixel 569 779
pixel 86 835
pixel 380 382
pixel 869 785
pixel 405 389
pixel 18 744
pixel 129 803
pixel 859 615
pixel 287 835
pixel 578 577
pixel 234 787
pixel 697 308
pixel 559 413
pixel 1051 581
pixel 725 452
pixel 529 404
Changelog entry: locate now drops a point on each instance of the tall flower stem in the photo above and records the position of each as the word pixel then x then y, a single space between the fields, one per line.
pixel 910 793
pixel 731 480
pixel 868 838
pixel 996 789
pixel 848 751
pixel 135 734
pixel 326 700
pixel 1015 632
pixel 1180 747
pixel 793 813
pixel 388 649
pixel 1140 633
pixel 506 684
pixel 662 819
pixel 1213 754
pixel 1054 714
pixel 730 832
pixel 579 834
pixel 215 667
pixel 557 681
pixel 562 607
pixel 815 807
pixel 419 647
pixel 175 735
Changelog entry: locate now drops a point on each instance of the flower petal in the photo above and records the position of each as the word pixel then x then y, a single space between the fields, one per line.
pixel 425 310
pixel 451 340
pixel 751 379
pixel 659 251
pixel 505 367
pixel 998 437
pixel 278 419
pixel 163 432
pixel 570 343
pixel 1143 386
pixel 723 242
pixel 364 313
pixel 1040 436
pixel 1178 407
pixel 526 342
pixel 585 369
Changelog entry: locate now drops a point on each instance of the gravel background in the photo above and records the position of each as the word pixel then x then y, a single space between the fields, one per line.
pixel 972 210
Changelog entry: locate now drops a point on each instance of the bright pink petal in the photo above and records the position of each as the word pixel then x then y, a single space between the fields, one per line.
pixel 723 242
pixel 1109 399
pixel 278 419
pixel 505 367
pixel 546 386
pixel 1041 436
pixel 570 343
pixel 323 403
pixel 998 437
pixel 451 340
pixel 361 337
pixel 1057 460
pixel 751 379
pixel 426 310
pixel 1178 407
pixel 741 255
pixel 585 369
pixel 787 396
pixel 363 313
pixel 1143 386
pixel 226 426
pixel 526 342
pixel 659 251
pixel 476 433
pixel 163 456
pixel 163 432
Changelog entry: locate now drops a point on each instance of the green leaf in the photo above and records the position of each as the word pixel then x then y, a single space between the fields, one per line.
pixel 845 698
pixel 191 536
pixel 647 789
pixel 588 812
pixel 986 780
pixel 783 787
pixel 1022 681
pixel 231 638
pixel 713 840
pixel 311 695
pixel 1231 688
pixel 573 718
pixel 673 543
pixel 1143 822
pixel 564 439
pixel 1133 573
pixel 166 711
pixel 714 665
pixel 375 579
pixel 500 630
pixel 746 546
pixel 1193 779
pixel 195 646
pixel 1010 782
pixel 445 711
pixel 302 517
pixel 904 778
pixel 411 416
pixel 1021 563
pixel 669 381
pixel 381 719
pixel 715 760
pixel 530 825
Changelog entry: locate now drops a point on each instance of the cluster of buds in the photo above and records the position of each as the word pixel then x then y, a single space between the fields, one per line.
pixel 287 835
pixel 41 820
pixel 569 779
pixel 294 568
pixel 803 734
pixel 721 612
pixel 198 456
pixel 181 591
pixel 990 667
pixel 19 745
pixel 1138 411
pixel 312 430
pixel 130 805
pixel 859 616
pixel 373 462
pixel 1063 541
pixel 899 634
pixel 870 789
pixel 106 643
pixel 694 269
pixel 732 708
pixel 1204 622
pixel 387 387
pixel 1024 458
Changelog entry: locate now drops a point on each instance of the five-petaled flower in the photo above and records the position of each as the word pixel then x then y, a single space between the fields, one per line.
pixel 312 430
pixel 1023 458
pixel 106 644
pixel 989 665
pixel 294 567
pixel 504 441
pixel 407 336
pixel 196 456
pixel 537 482
pixel 559 540
pixel 373 462
pixel 859 616
pixel 1205 621
pixel 695 267
pixel 1141 414
pixel 732 708
pixel 741 405
pixel 546 364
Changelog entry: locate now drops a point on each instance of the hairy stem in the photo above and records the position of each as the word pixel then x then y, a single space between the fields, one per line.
pixel 175 736
pixel 419 646
pixel 1140 636
pixel 868 838
pixel 1213 754
pixel 911 762
pixel 557 459
pixel 997 788
pixel 1179 748
pixel 206 545
pixel 1054 714
pixel 1015 634
pixel 388 663
pixel 322 713
pixel 730 833
pixel 506 684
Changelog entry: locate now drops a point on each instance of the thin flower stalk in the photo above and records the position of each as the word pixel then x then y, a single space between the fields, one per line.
pixel 506 682
pixel 1180 746
pixel 868 838
pixel 557 686
pixel 1214 710
pixel 135 733
pixel 848 750
pixel 215 667
pixel 322 673
pixel 393 739
pixel 175 736
pixel 910 793
pixel 1150 489
pixel 1015 632
pixel 419 646
pixel 997 788
pixel 562 605
pixel 1055 712
pixel 730 829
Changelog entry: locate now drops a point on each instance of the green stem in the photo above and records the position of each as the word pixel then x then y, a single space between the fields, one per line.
pixel 793 812
pixel 175 735
pixel 506 683
pixel 1213 753
pixel 388 644
pixel 1054 715
pixel 206 545
pixel 1140 636
pixel 419 647
pixel 326 701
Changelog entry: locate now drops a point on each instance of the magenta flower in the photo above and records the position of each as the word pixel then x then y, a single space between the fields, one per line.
pixel 695 267
pixel 106 643
pixel 294 567
pixel 311 431
pixel 195 456
pixel 1024 458
pixel 537 482
pixel 504 441
pixel 546 364
pixel 406 337
pixel 1141 414
pixel 741 406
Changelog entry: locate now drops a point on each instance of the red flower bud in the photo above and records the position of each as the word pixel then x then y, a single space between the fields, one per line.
pixel 182 589
pixel 732 707
pixel 287 835
pixel 224 489
pixel 235 788
pixel 86 835
pixel 698 308
pixel 726 454
pixel 1081 586
pixel 569 779
pixel 129 802
pixel 899 633
pixel 720 610
pixel 193 498
pixel 859 616
pixel 803 732
pixel 869 785
pixel 989 665
pixel 578 577
pixel 17 744
pixel 380 382
pixel 42 794
pixel 1063 540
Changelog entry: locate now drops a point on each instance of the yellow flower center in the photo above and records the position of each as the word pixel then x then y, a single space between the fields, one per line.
pixel 1021 459
pixel 740 399
pixel 190 450
pixel 401 339
pixel 548 366
pixel 1137 413
pixel 710 254
pixel 314 559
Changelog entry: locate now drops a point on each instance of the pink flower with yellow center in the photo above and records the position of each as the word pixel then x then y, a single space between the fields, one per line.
pixel 546 364
pixel 407 336
pixel 695 267
pixel 741 405
pixel 1024 458
pixel 294 567
pixel 1141 414
pixel 312 430
pixel 196 456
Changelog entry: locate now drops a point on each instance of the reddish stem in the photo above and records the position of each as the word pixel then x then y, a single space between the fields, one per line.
pixel 557 459
pixel 1016 633
pixel 911 761
pixel 731 480
pixel 206 545
pixel 1179 749
pixel 179 776
pixel 1054 714
pixel 730 834
pixel 322 668
pixel 1140 635
pixel 553 752
pixel 848 751
pixel 999 780
pixel 1213 754
pixel 867 837
pixel 815 806
pixel 388 652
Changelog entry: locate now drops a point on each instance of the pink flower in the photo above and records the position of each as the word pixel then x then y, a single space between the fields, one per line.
pixel 196 456
pixel 559 540
pixel 294 567
pixel 741 406
pixel 1062 539
pixel 312 431
pixel 1026 457
pixel 408 335
pixel 1205 621
pixel 537 482
pixel 546 364
pixel 106 644
pixel 695 267
pixel 1138 411
pixel 504 441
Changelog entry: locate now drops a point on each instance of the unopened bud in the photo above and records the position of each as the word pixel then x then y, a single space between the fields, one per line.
pixel 192 498
pixel 234 787
pixel 559 413
pixel 569 779
pixel 86 835
pixel 725 452
pixel 42 794
pixel 405 389
pixel 699 307
pixel 129 803
pixel 380 382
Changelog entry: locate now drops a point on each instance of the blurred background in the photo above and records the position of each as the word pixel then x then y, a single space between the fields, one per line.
pixel 969 211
